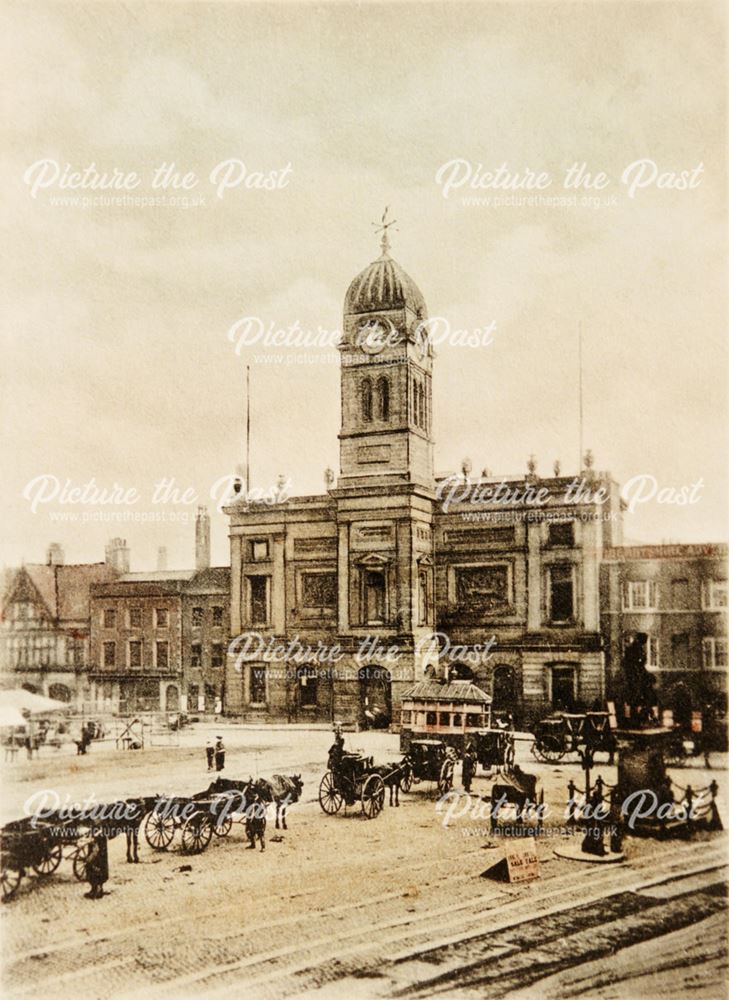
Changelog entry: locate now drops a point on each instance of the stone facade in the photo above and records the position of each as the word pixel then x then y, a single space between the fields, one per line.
pixel 341 601
pixel 677 596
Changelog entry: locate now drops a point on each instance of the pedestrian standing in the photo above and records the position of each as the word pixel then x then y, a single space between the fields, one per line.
pixel 210 753
pixel 97 864
pixel 219 754
pixel 469 767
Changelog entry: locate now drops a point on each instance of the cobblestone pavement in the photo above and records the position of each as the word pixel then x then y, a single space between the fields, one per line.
pixel 350 907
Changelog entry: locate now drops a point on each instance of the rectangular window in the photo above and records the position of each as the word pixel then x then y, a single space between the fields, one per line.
pixel 135 618
pixel 563 688
pixel 135 654
pixel 714 653
pixel 197 617
pixel 561 592
pixel 161 617
pixel 562 533
pixel 680 651
pixel 473 721
pixel 406 717
pixel 259 550
pixel 714 594
pixel 217 615
pixel 218 655
pixel 640 595
pixel 109 618
pixel 109 654
pixel 445 718
pixel 196 655
pixel 431 719
pixel 163 655
pixel 258 600
pixel 258 684
pixel 457 719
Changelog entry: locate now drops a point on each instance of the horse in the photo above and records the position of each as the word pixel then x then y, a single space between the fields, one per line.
pixel 126 816
pixel 284 791
pixel 392 775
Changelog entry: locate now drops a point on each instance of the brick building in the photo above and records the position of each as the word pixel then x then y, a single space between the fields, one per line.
pixel 335 598
pixel 44 629
pixel 158 639
pixel 677 596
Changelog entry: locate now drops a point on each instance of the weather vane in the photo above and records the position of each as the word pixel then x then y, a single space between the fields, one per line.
pixel 382 227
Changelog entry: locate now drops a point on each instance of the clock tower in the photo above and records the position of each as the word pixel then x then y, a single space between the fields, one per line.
pixel 386 375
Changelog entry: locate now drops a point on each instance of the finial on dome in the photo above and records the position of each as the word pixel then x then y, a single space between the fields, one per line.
pixel 382 227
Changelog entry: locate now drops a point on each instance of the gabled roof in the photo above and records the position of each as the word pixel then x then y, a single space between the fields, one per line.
pixel 457 691
pixel 64 590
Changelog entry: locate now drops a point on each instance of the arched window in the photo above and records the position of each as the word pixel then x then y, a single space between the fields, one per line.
pixel 383 399
pixel 367 399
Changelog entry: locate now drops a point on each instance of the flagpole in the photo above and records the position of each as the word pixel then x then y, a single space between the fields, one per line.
pixel 248 430
pixel 579 355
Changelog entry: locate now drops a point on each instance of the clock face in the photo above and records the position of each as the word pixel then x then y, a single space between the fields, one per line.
pixel 375 335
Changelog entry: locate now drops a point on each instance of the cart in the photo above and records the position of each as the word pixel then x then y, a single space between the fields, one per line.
pixel 353 778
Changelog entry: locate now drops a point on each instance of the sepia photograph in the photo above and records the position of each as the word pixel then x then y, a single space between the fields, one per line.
pixel 364 536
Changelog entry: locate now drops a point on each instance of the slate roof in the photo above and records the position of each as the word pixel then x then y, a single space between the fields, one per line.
pixel 457 691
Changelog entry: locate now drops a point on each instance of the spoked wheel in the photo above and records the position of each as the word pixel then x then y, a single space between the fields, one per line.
pixel 50 860
pixel 197 833
pixel 80 859
pixel 159 830
pixel 445 779
pixel 373 796
pixel 222 829
pixel 11 879
pixel 406 781
pixel 330 798
pixel 551 750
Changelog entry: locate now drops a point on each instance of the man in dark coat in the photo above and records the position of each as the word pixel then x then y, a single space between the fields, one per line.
pixel 469 767
pixel 219 754
pixel 97 865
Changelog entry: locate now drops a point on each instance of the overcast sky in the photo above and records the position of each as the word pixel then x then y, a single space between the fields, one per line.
pixel 118 361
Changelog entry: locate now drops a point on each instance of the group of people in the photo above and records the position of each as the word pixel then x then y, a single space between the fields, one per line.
pixel 215 754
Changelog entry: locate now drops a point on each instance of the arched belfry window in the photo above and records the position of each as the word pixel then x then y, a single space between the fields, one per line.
pixel 383 399
pixel 367 399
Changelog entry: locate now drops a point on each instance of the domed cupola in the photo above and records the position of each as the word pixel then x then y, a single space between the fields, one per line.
pixel 383 285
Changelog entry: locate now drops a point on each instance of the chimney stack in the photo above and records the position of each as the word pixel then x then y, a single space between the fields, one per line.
pixel 55 556
pixel 117 555
pixel 162 558
pixel 202 539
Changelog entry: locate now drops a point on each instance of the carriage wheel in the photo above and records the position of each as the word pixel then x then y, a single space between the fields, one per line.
pixel 159 830
pixel 551 750
pixel 373 796
pixel 536 751
pixel 222 829
pixel 445 779
pixel 11 878
pixel 406 780
pixel 79 861
pixel 50 860
pixel 197 833
pixel 330 798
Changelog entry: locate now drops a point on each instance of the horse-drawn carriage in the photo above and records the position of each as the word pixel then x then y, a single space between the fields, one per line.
pixel 352 778
pixel 429 760
pixel 495 749
pixel 573 733
pixel 199 817
pixel 41 845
